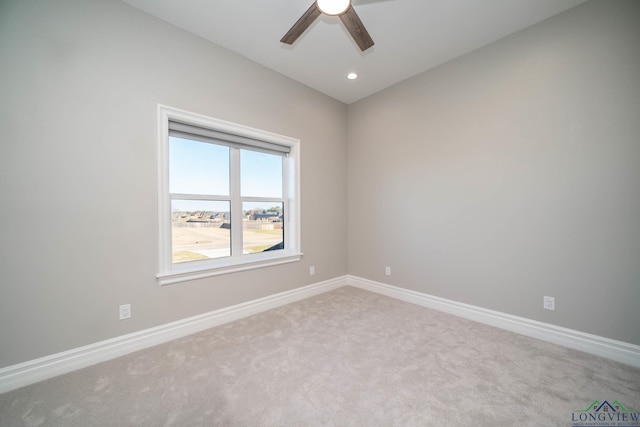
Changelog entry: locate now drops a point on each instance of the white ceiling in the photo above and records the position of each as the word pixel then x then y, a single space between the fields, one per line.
pixel 411 36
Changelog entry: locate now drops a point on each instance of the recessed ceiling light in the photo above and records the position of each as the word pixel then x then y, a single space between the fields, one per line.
pixel 352 76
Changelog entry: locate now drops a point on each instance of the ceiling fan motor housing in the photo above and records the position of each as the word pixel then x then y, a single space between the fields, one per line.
pixel 333 7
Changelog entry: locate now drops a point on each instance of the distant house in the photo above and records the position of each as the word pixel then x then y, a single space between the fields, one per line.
pixel 267 216
pixel 220 216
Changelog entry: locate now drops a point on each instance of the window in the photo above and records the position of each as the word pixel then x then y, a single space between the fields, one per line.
pixel 228 197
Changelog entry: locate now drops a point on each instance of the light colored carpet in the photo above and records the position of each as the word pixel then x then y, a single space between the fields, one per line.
pixel 344 358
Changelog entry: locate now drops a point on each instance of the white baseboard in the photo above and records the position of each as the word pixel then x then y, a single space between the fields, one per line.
pixel 615 350
pixel 16 376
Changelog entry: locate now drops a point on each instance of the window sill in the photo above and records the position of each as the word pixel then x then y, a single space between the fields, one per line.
pixel 196 270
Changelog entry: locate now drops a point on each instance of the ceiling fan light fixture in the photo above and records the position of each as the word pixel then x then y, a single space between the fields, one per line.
pixel 333 7
pixel 341 8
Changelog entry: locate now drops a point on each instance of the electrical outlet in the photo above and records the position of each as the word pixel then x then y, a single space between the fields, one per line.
pixel 549 303
pixel 125 311
pixel 312 270
pixel 387 271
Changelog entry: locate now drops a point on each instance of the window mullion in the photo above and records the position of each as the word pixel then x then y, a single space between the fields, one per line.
pixel 182 196
pixel 236 203
pixel 263 199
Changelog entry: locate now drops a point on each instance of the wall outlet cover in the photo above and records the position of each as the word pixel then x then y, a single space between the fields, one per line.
pixel 125 311
pixel 549 303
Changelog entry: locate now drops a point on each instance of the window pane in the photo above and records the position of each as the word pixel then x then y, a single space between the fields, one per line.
pixel 200 230
pixel 198 167
pixel 261 174
pixel 262 227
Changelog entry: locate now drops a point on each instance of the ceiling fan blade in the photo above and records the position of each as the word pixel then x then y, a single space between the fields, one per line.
pixel 302 24
pixel 354 25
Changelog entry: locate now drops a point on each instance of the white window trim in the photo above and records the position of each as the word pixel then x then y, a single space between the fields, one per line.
pixel 173 273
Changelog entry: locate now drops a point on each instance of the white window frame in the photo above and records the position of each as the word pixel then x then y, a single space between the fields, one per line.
pixel 170 272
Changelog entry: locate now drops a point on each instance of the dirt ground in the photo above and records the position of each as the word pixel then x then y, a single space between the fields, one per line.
pixel 192 243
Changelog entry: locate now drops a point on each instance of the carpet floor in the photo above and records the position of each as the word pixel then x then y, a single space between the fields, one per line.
pixel 344 358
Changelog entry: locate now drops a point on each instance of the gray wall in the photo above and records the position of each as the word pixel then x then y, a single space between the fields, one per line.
pixel 505 175
pixel 511 173
pixel 79 84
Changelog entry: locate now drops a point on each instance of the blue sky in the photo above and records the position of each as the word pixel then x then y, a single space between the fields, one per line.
pixel 202 168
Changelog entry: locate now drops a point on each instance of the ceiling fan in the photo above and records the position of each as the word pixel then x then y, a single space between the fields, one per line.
pixel 341 8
